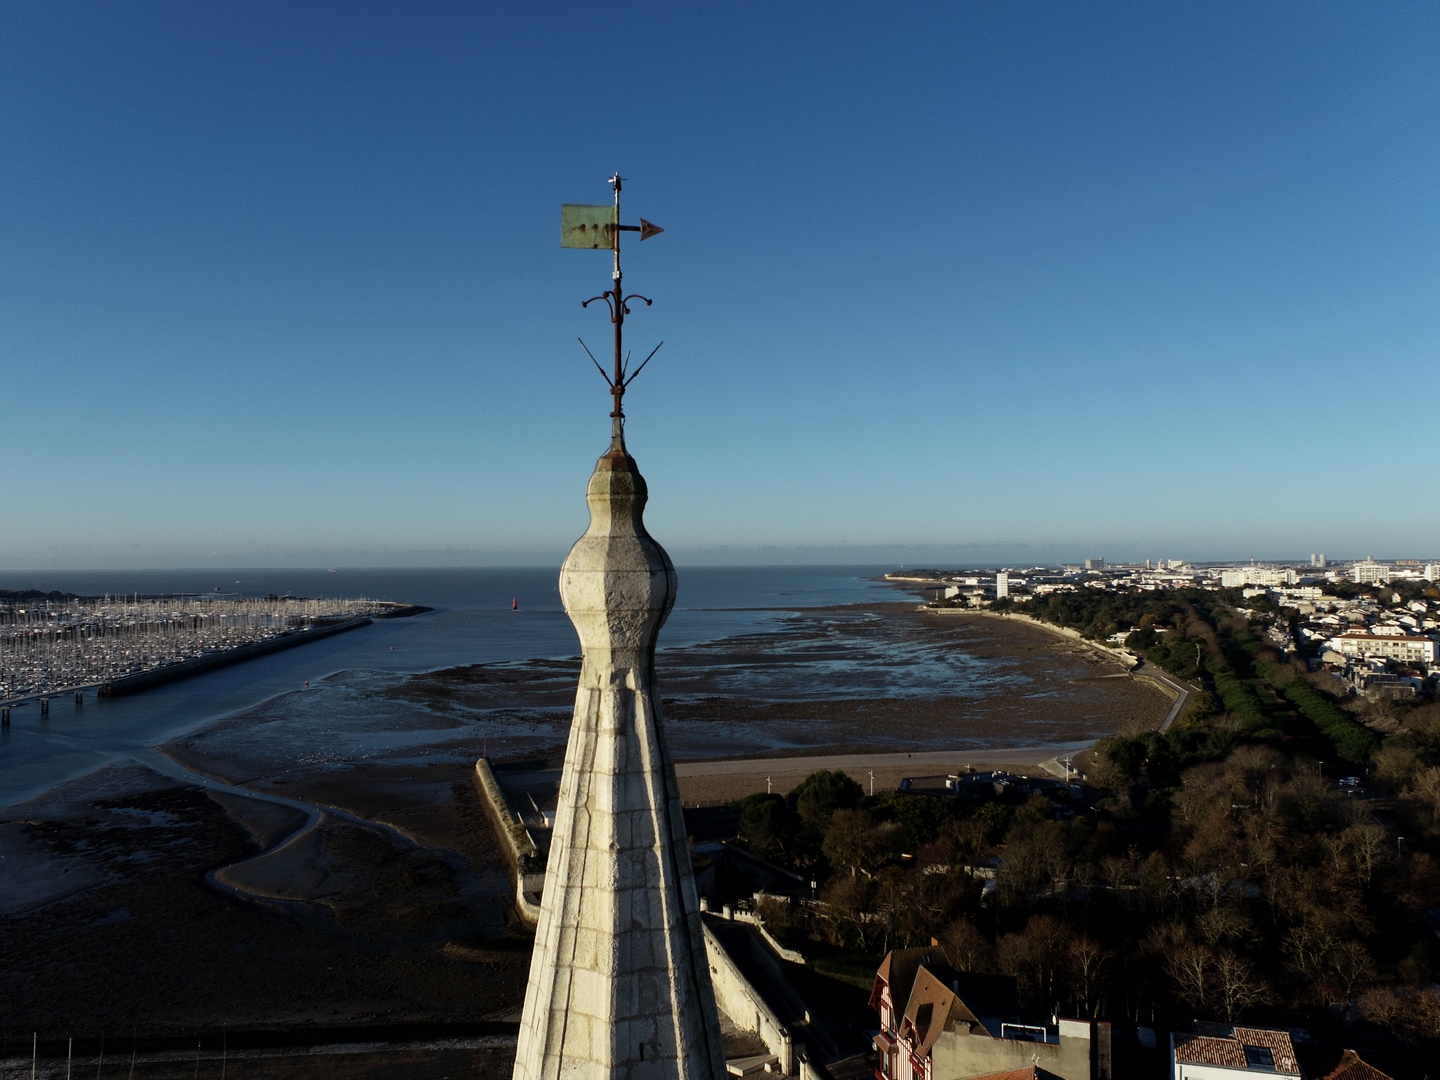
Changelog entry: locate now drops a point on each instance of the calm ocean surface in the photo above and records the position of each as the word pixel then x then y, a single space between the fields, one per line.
pixel 473 623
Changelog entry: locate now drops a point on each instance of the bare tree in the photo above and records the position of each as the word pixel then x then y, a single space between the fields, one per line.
pixel 1087 961
pixel 847 842
pixel 1309 942
pixel 1236 986
pixel 1350 967
pixel 1191 967
pixel 967 946
pixel 1157 883
pixel 1412 1014
pixel 846 907
pixel 1119 873
pixel 970 838
pixel 1223 923
pixel 1035 957
pixel 1366 844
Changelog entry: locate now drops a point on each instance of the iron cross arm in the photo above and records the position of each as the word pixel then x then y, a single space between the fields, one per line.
pixel 599 228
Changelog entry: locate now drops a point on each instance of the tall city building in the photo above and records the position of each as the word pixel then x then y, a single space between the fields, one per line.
pixel 1002 585
pixel 619 981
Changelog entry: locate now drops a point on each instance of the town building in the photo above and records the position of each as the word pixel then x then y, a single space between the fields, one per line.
pixel 937 1023
pixel 1370 572
pixel 1404 648
pixel 1002 585
pixel 1226 1052
pixel 1298 594
pixel 1270 576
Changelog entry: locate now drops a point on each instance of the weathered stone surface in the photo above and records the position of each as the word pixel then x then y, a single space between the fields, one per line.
pixel 619 983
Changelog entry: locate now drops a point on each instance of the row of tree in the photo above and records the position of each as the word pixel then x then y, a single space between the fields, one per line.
pixel 1219 871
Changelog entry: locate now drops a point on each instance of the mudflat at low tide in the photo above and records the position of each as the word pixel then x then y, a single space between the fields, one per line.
pixel 190 910
pixel 150 902
pixel 840 680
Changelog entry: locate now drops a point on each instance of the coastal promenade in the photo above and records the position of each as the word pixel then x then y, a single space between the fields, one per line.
pixel 1183 691
pixel 713 782
pixel 1030 756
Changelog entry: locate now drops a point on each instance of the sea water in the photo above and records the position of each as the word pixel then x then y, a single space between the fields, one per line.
pixel 474 621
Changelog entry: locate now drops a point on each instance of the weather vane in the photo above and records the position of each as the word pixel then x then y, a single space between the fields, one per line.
pixel 597 228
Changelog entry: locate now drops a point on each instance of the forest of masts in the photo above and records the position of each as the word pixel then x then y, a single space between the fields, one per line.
pixel 50 646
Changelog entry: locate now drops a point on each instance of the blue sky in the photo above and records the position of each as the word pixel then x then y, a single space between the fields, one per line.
pixel 941 282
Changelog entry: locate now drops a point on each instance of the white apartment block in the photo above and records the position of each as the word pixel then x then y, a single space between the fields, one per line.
pixel 1236 576
pixel 1405 648
pixel 1370 572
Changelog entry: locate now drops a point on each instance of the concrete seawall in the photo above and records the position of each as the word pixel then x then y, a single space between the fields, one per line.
pixel 517 847
pixel 130 684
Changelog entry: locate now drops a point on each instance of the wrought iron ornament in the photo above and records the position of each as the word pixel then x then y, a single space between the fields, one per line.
pixel 599 228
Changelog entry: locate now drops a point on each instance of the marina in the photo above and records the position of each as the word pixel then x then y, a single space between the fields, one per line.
pixel 51 647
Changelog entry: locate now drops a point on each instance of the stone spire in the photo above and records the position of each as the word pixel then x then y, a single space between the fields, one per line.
pixel 619 982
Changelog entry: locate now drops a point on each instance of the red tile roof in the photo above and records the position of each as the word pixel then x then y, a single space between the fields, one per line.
pixel 1351 1067
pixel 1228 1050
pixel 1208 1050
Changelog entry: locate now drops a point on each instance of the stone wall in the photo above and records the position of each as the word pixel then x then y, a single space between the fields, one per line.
pixel 746 1009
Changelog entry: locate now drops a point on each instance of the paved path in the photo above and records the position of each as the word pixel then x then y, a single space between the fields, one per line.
pixel 1184 690
pixel 750 766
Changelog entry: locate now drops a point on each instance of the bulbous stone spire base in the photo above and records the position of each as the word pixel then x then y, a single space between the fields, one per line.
pixel 619 982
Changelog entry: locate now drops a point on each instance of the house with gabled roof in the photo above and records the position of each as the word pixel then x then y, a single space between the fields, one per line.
pixel 937 1023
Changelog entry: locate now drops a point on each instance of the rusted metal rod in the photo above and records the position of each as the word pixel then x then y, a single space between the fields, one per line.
pixel 617 384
